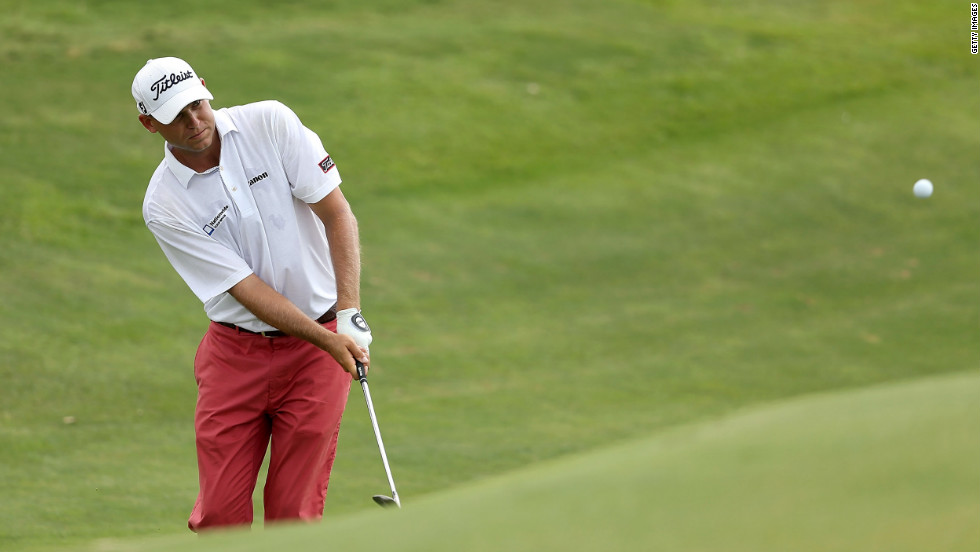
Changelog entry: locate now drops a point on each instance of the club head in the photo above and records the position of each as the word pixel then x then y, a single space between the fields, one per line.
pixel 386 501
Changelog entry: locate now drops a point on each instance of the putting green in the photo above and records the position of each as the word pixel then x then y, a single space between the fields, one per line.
pixel 894 467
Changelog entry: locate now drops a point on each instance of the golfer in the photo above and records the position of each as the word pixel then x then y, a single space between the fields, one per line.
pixel 246 206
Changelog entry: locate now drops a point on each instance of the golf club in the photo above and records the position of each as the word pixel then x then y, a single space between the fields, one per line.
pixel 382 500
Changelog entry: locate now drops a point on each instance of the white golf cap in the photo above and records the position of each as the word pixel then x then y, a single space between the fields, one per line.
pixel 165 86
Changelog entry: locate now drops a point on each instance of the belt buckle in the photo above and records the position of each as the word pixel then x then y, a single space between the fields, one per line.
pixel 264 334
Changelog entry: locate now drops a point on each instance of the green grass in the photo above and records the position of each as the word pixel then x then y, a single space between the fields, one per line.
pixel 700 208
pixel 892 467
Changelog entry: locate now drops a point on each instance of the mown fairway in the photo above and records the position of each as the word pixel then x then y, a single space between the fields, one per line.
pixel 582 222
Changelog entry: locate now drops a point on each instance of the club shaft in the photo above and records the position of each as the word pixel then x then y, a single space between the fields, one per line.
pixel 377 435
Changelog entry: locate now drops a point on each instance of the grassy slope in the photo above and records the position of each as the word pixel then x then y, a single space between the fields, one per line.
pixel 699 209
pixel 890 468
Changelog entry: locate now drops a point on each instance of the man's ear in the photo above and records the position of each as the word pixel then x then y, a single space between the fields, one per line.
pixel 147 122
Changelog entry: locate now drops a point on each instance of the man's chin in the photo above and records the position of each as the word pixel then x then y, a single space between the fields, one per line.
pixel 199 146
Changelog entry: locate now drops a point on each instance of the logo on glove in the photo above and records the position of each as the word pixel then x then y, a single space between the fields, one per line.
pixel 358 321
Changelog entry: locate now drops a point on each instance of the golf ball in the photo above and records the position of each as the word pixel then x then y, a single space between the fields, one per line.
pixel 922 188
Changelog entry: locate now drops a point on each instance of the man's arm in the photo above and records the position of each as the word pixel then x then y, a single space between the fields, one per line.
pixel 279 312
pixel 345 247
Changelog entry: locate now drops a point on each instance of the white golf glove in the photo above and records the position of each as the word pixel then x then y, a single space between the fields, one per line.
pixel 350 322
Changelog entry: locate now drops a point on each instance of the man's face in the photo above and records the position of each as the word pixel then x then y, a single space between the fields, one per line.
pixel 192 130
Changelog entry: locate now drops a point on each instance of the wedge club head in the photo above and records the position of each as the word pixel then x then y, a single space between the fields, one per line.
pixel 386 501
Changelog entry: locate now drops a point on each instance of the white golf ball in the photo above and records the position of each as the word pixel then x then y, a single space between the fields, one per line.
pixel 922 188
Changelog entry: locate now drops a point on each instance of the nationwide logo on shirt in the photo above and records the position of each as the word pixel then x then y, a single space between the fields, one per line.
pixel 210 227
pixel 326 164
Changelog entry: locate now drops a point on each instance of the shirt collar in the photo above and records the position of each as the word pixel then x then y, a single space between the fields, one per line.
pixel 224 124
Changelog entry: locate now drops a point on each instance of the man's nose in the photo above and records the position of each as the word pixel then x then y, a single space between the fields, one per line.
pixel 193 119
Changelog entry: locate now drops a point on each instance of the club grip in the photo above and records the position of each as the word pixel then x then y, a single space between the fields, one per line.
pixel 361 375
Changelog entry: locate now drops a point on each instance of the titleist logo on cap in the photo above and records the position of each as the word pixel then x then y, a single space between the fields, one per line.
pixel 164 86
pixel 166 82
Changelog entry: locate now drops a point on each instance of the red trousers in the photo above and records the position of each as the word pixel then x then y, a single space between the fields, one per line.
pixel 253 390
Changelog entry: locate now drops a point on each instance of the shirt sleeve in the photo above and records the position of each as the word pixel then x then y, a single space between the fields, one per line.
pixel 207 267
pixel 310 170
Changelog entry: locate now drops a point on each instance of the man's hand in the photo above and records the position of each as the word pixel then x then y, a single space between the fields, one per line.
pixel 345 350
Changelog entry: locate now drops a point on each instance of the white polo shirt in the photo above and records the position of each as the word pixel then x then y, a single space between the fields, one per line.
pixel 249 214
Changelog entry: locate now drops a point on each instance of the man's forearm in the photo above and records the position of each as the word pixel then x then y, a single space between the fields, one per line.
pixel 340 225
pixel 345 252
pixel 271 307
pixel 279 312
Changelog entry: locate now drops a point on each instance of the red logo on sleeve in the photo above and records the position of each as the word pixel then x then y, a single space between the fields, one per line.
pixel 326 164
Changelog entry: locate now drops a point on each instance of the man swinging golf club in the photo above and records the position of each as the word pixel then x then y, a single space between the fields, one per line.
pixel 246 206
